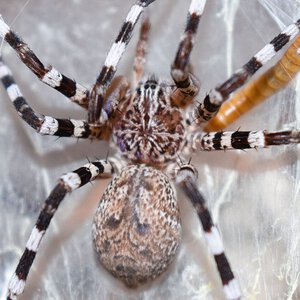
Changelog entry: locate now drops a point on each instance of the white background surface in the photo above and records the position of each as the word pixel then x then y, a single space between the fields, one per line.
pixel 254 195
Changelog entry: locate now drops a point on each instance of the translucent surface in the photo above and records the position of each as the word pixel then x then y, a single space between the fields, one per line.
pixel 254 195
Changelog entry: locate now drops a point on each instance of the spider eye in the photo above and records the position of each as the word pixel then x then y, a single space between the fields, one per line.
pixel 146 86
pixel 153 86
pixel 138 91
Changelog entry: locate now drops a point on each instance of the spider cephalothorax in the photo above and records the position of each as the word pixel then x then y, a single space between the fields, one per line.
pixel 137 224
pixel 150 130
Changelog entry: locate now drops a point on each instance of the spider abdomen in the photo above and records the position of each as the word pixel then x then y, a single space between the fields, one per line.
pixel 137 227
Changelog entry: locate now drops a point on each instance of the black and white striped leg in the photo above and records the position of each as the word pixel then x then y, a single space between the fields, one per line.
pixel 213 101
pixel 49 75
pixel 140 54
pixel 187 84
pixel 186 179
pixel 96 113
pixel 228 140
pixel 45 124
pixel 67 183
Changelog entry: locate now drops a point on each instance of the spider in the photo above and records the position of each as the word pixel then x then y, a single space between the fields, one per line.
pixel 140 156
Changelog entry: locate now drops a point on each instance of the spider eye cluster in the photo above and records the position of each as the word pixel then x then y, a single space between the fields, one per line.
pixel 151 84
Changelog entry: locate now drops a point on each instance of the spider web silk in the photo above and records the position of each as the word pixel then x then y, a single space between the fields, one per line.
pixel 254 195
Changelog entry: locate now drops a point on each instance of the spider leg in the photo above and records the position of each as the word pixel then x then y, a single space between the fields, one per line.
pixel 49 75
pixel 67 183
pixel 117 92
pixel 48 125
pixel 141 48
pixel 186 179
pixel 209 107
pixel 258 90
pixel 227 140
pixel 186 83
pixel 114 55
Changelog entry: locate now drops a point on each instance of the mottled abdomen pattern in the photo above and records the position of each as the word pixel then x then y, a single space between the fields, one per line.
pixel 137 227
